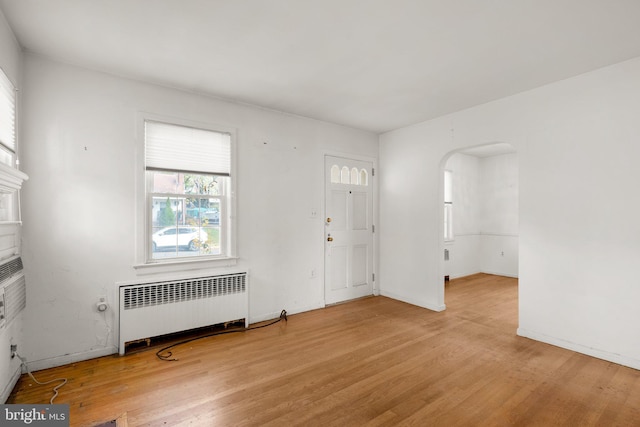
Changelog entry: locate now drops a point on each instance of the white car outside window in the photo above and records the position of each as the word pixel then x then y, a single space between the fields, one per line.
pixel 187 237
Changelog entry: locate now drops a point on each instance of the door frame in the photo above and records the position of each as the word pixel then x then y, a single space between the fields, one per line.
pixel 374 196
pixel 441 168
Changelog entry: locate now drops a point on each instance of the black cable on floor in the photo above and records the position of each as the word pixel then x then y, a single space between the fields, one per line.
pixel 167 357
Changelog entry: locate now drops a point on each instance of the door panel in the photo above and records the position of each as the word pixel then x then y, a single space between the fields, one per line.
pixel 339 211
pixel 348 229
pixel 360 212
pixel 359 267
pixel 339 267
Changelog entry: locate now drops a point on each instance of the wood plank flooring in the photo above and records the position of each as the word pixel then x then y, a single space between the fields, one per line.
pixel 370 362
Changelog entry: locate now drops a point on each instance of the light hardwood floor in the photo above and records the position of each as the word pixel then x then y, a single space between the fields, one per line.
pixel 373 361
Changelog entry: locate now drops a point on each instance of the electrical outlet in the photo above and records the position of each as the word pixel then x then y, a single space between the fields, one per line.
pixel 14 350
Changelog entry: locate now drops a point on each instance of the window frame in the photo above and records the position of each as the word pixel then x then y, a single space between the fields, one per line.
pixel 5 149
pixel 11 178
pixel 144 259
pixel 448 205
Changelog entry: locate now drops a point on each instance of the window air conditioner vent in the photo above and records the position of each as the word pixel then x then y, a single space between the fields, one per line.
pixel 10 268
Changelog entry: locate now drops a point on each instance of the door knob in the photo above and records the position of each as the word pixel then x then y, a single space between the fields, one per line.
pixel 328 219
pixel 329 239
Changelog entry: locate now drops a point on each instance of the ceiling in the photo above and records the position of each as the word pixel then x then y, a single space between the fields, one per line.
pixel 375 65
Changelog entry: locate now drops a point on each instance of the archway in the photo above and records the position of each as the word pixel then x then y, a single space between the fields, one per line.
pixel 480 211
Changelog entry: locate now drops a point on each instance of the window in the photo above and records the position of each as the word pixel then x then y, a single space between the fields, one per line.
pixel 364 178
pixel 448 205
pixel 10 176
pixel 188 192
pixel 355 176
pixel 345 176
pixel 335 174
pixel 7 121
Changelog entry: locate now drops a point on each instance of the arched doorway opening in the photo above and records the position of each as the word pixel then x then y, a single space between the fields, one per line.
pixel 480 212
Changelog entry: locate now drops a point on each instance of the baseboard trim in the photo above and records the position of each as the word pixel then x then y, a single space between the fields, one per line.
pixel 6 392
pixel 482 272
pixel 578 348
pixel 413 301
pixel 514 276
pixel 54 362
pixel 460 276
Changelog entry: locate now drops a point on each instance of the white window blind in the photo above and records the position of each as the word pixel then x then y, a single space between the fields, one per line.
pixel 7 113
pixel 186 149
pixel 448 186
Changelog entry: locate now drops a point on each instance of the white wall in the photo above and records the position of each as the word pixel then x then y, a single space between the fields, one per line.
pixel 499 194
pixel 11 64
pixel 577 144
pixel 80 217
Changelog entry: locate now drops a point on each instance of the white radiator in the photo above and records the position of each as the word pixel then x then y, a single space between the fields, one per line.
pixel 152 309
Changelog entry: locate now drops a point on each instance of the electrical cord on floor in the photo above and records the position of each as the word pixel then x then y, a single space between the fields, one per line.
pixel 62 381
pixel 167 357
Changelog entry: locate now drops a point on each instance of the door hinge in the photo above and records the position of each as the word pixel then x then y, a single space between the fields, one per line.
pixel 373 171
pixel 373 277
pixel 373 228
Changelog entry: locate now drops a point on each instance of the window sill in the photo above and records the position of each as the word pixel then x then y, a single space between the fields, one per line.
pixel 184 265
pixel 11 179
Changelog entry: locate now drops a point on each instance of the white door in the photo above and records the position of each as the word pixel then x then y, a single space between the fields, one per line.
pixel 348 229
